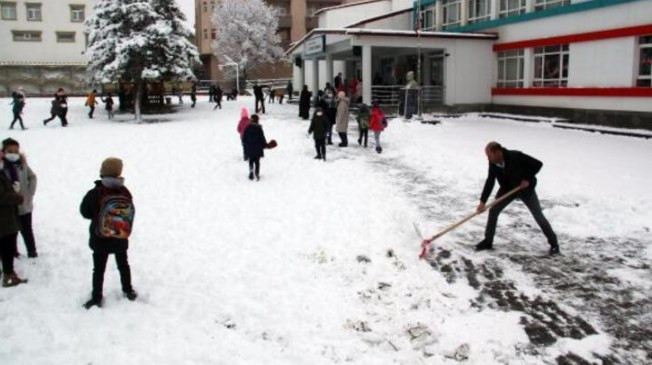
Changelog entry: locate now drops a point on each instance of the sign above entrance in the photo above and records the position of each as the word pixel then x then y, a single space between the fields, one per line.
pixel 314 46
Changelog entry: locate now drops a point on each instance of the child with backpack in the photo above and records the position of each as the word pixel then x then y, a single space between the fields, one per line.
pixel 377 123
pixel 110 208
pixel 109 105
pixel 363 124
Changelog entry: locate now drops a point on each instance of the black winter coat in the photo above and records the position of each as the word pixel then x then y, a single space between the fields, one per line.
pixel 319 126
pixel 254 141
pixel 304 104
pixel 90 209
pixel 9 201
pixel 518 167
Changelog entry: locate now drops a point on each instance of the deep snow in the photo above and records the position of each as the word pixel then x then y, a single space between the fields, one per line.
pixel 317 263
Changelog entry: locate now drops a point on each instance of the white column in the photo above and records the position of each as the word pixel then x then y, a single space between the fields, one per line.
pixel 528 67
pixel 493 9
pixel 302 76
pixel 439 15
pixel 329 68
pixel 314 87
pixel 464 10
pixel 366 74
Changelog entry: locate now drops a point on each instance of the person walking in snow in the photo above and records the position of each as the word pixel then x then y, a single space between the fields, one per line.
pixel 254 145
pixel 260 98
pixel 108 101
pixel 290 89
pixel 18 102
pixel 110 208
pixel 319 128
pixel 363 124
pixel 330 110
pixel 217 94
pixel 304 103
pixel 91 102
pixel 54 109
pixel 377 123
pixel 193 95
pixel 242 125
pixel 10 199
pixel 63 107
pixel 342 119
pixel 512 169
pixel 24 180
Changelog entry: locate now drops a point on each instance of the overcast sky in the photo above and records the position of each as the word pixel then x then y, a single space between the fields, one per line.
pixel 188 7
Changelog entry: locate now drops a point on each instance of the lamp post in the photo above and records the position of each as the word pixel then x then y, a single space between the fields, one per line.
pixel 237 73
pixel 419 20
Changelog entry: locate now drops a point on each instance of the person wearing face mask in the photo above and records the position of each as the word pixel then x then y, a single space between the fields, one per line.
pixel 319 128
pixel 9 226
pixel 24 182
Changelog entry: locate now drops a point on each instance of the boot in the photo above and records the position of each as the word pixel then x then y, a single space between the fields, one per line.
pixel 131 295
pixel 12 279
pixel 554 249
pixel 379 149
pixel 251 175
pixel 93 302
pixel 484 245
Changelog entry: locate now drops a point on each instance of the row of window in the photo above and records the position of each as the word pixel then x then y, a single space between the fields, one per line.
pixel 477 11
pixel 551 66
pixel 34 13
pixel 36 36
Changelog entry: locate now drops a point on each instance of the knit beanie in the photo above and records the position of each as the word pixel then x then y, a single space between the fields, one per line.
pixel 111 167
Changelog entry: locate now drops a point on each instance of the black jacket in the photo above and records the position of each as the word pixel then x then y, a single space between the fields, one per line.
pixel 90 209
pixel 9 201
pixel 254 141
pixel 258 92
pixel 518 167
pixel 319 126
pixel 304 104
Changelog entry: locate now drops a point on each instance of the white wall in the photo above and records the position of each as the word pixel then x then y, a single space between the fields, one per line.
pixel 599 103
pixel 606 63
pixel 55 18
pixel 398 22
pixel 467 72
pixel 339 18
pixel 401 4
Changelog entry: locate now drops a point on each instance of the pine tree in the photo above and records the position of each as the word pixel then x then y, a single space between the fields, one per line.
pixel 138 41
pixel 247 33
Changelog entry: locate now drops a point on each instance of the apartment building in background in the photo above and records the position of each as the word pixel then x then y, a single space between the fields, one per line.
pixel 297 18
pixel 43 45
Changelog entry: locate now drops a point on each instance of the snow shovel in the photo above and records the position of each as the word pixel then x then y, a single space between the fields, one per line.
pixel 425 244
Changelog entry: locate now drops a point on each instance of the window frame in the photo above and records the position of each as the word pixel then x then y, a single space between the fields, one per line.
pixel 423 17
pixel 642 78
pixel 540 54
pixel 76 8
pixel 33 7
pixel 503 58
pixel 507 11
pixel 472 7
pixel 540 5
pixel 447 6
pixel 62 33
pixel 8 5
pixel 15 33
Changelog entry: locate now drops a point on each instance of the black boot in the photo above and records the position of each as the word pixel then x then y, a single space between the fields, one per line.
pixel 554 249
pixel 484 245
pixel 93 302
pixel 131 294
pixel 251 175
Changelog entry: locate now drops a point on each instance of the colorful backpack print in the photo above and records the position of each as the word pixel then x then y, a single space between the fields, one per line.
pixel 116 214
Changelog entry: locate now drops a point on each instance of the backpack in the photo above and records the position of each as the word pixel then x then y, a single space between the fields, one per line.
pixel 116 214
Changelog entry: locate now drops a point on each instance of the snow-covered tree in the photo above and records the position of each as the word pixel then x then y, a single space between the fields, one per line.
pixel 246 33
pixel 138 41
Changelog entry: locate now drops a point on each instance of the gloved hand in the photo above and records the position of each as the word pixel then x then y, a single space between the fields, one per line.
pixel 16 186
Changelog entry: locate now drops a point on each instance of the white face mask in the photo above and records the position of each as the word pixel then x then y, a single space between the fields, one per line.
pixel 319 113
pixel 13 157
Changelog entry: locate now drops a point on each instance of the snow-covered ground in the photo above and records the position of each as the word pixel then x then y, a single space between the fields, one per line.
pixel 317 263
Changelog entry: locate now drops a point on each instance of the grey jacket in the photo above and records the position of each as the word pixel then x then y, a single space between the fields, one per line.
pixel 27 180
pixel 342 119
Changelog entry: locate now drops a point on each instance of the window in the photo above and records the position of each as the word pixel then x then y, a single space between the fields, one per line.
pixel 549 4
pixel 33 12
pixel 478 11
pixel 645 63
pixel 205 34
pixel 452 12
pixel 510 68
pixel 26 36
pixel 213 33
pixel 551 66
pixel 8 11
pixel 511 7
pixel 66 37
pixel 77 13
pixel 205 6
pixel 427 18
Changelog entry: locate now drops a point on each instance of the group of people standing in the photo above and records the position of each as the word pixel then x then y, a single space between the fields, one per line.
pixel 107 100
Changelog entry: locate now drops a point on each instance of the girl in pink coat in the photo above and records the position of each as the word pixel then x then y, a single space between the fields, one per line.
pixel 377 123
pixel 242 125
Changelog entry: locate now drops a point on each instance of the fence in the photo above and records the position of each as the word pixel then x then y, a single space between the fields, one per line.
pixel 393 96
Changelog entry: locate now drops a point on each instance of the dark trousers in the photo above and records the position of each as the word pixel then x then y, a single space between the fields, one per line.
pixel 7 250
pixel 218 103
pixel 254 165
pixel 344 139
pixel 531 201
pixel 280 99
pixel 18 118
pixel 329 133
pixel 320 146
pixel 364 135
pixel 52 116
pixel 99 266
pixel 262 104
pixel 27 234
pixel 90 113
pixel 62 117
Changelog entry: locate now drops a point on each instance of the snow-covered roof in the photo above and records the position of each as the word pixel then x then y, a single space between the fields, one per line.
pixel 391 33
pixel 41 63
